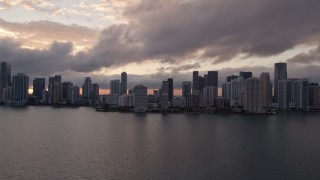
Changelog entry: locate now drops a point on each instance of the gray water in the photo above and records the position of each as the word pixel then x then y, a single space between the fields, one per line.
pixel 79 143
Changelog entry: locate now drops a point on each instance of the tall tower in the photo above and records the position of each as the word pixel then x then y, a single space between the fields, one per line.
pixel 195 81
pixel 280 73
pixel 5 77
pixel 87 88
pixel 115 87
pixel 252 99
pixel 95 93
pixel 39 84
pixel 266 89
pixel 212 78
pixel 140 98
pixel 245 75
pixel 124 83
pixel 186 88
pixel 20 89
pixel 170 89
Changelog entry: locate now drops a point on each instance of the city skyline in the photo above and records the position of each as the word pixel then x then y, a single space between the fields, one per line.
pixel 177 88
pixel 153 40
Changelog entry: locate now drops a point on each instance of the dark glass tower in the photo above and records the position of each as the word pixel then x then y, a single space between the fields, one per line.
pixel 39 84
pixel 170 88
pixel 280 73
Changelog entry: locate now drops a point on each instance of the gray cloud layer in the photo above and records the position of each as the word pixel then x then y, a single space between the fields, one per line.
pixel 175 31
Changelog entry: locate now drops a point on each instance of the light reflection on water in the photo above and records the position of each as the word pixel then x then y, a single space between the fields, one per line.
pixel 79 143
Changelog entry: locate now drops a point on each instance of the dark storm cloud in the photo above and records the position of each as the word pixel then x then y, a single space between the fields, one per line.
pixel 175 31
pixel 57 58
pixel 225 28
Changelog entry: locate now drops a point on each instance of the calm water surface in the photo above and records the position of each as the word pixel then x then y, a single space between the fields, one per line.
pixel 79 143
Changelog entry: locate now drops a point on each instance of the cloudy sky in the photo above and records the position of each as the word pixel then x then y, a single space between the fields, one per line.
pixel 153 40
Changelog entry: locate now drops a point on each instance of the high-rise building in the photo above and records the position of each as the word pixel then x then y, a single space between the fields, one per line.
pixel 124 79
pixel 165 87
pixel 229 78
pixel 164 97
pixel 56 92
pixel 195 81
pixel 293 94
pixel 115 87
pixel 39 84
pixel 245 75
pixel 209 94
pixel 237 85
pixel 7 95
pixel 212 78
pixel 87 89
pixel 314 96
pixel 252 95
pixel 280 73
pixel 303 94
pixel 20 87
pixel 266 90
pixel 5 77
pixel 95 94
pixel 75 95
pixel 45 97
pixel 201 83
pixel 67 88
pixel 57 79
pixel 193 102
pixel 140 98
pixel 186 88
pixel 226 90
pixel 170 89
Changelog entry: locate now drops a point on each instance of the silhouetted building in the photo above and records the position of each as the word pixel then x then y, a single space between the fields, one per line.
pixel 229 78
pixel 123 86
pixel 20 87
pixel 212 78
pixel 314 90
pixel 75 95
pixel 87 89
pixel 95 94
pixel 57 79
pixel 201 83
pixel 280 73
pixel 140 98
pixel 5 78
pixel 293 94
pixel 209 94
pixel 170 89
pixel 266 90
pixel 56 92
pixel 67 88
pixel 245 75
pixel 39 84
pixel 226 90
pixel 195 81
pixel 115 87
pixel 252 95
pixel 193 102
pixel 186 88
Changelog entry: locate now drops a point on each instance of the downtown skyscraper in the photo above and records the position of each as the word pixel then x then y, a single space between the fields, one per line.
pixel 39 84
pixel 20 86
pixel 87 89
pixel 280 73
pixel 5 78
pixel 124 83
